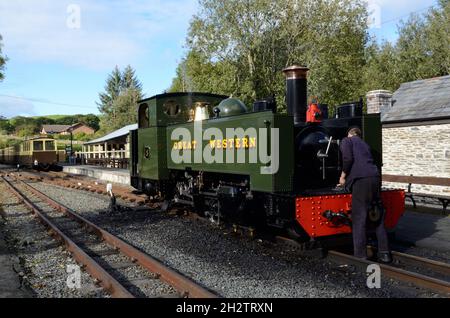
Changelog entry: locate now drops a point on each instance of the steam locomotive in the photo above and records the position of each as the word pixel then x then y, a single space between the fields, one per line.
pixel 258 167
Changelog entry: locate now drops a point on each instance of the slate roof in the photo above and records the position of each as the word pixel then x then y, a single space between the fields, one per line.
pixel 115 134
pixel 50 129
pixel 420 101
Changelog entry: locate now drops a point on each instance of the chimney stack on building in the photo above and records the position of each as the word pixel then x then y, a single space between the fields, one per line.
pixel 378 101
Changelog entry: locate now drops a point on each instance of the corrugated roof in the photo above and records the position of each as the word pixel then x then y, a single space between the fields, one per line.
pixel 420 100
pixel 115 134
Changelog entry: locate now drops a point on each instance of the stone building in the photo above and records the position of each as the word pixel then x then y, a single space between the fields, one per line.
pixel 416 132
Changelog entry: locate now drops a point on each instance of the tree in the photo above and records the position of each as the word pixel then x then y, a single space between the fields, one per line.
pixel 244 45
pixel 130 80
pixel 125 108
pixel 5 126
pixel 437 39
pixel 26 130
pixel 196 74
pixel 118 103
pixel 90 120
pixel 112 90
pixel 422 51
pixel 414 60
pixel 3 60
pixel 381 70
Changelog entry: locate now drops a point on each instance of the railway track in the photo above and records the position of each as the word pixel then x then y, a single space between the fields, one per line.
pixel 121 269
pixel 82 183
pixel 405 268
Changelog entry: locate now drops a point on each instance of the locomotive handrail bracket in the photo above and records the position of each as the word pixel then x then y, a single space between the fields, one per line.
pixel 410 180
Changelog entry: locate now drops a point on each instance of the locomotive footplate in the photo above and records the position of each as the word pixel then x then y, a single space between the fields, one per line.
pixel 327 214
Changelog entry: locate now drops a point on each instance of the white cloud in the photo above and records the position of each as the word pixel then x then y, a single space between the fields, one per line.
pixel 10 107
pixel 402 6
pixel 111 32
pixel 390 13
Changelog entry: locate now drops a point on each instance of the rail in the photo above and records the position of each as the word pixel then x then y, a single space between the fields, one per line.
pixel 185 286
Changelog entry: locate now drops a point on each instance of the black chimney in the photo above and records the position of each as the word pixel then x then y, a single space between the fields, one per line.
pixel 296 92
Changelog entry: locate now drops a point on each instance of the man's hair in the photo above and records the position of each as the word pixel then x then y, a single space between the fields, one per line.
pixel 355 132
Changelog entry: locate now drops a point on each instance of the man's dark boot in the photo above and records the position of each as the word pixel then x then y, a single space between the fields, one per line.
pixel 385 257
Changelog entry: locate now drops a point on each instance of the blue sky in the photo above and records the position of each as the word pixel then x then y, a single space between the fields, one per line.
pixel 54 61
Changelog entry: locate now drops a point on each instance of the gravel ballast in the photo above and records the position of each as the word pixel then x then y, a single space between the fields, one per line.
pixel 229 266
pixel 42 260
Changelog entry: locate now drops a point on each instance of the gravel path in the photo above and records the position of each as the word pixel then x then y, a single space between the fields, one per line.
pixel 43 260
pixel 230 266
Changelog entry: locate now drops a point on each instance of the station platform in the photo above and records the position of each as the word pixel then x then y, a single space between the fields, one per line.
pixel 120 176
pixel 10 285
pixel 424 230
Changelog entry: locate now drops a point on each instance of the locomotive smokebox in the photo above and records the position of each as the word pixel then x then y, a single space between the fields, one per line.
pixel 296 92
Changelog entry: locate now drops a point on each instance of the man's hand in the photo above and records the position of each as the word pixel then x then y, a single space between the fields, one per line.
pixel 341 181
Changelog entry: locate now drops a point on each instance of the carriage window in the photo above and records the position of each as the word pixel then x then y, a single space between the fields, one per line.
pixel 49 145
pixel 143 116
pixel 171 108
pixel 38 146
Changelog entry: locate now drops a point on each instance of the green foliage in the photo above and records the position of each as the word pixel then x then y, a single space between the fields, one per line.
pixel 3 60
pixel 240 48
pixel 26 130
pixel 5 126
pixel 8 141
pixel 89 120
pixel 196 74
pixel 82 137
pixel 379 72
pixel 29 126
pixel 118 103
pixel 62 146
pixel 422 51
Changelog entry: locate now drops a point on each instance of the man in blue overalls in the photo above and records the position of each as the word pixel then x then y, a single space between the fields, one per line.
pixel 361 176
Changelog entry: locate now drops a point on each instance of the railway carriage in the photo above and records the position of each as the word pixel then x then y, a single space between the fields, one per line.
pixel 42 150
pixel 209 152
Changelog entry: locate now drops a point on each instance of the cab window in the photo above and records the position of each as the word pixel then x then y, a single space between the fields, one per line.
pixel 143 116
pixel 49 145
pixel 38 146
pixel 172 108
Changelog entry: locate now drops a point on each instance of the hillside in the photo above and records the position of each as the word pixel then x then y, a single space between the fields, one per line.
pixel 28 126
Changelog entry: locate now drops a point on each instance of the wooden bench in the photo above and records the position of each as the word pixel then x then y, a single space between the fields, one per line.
pixel 410 180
